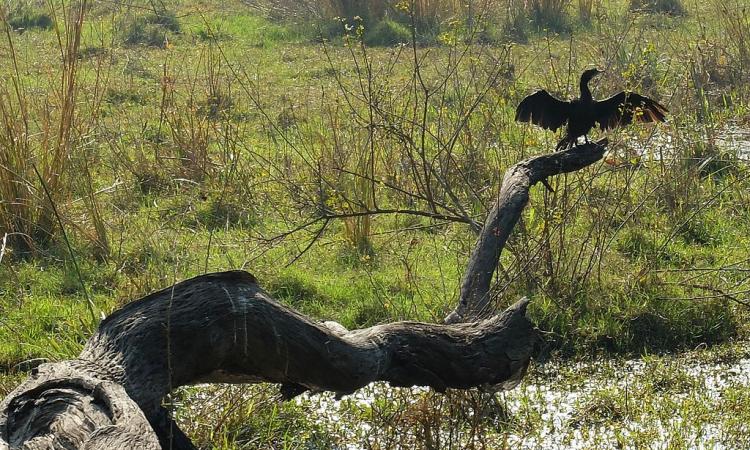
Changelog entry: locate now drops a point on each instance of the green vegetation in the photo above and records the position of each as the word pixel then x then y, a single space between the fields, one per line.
pixel 388 32
pixel 25 15
pixel 672 7
pixel 177 137
pixel 153 29
pixel 666 401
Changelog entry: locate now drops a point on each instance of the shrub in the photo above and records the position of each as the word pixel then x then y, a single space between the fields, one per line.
pixel 220 214
pixel 585 9
pixel 514 27
pixel 25 17
pixel 388 32
pixel 328 16
pixel 670 7
pixel 213 35
pixel 166 19
pixel 34 166
pixel 550 14
pixel 511 26
pixel 675 324
pixel 151 30
pixel 735 19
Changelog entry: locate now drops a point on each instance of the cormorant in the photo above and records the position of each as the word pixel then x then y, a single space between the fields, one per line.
pixel 583 113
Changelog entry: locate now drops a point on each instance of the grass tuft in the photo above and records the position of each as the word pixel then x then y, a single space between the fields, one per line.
pixel 154 29
pixel 670 7
pixel 388 32
pixel 24 15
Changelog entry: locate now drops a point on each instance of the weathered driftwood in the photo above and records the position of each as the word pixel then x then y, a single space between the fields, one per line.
pixel 514 195
pixel 224 328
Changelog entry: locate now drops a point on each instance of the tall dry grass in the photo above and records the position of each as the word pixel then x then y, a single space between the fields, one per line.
pixel 42 131
pixel 585 9
pixel 549 13
pixel 736 19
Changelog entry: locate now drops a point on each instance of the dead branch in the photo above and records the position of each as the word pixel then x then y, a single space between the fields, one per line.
pixel 513 197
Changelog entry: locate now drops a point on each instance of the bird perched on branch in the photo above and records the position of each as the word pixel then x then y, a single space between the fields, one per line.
pixel 582 114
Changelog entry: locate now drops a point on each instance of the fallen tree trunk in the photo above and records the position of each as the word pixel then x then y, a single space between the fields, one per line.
pixel 223 327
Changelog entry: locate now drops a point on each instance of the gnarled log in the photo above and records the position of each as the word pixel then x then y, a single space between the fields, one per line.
pixel 223 327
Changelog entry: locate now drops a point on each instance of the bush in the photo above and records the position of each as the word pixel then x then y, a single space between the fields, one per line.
pixel 551 14
pixel 25 17
pixel 221 214
pixel 675 324
pixel 213 35
pixel 151 30
pixel 670 7
pixel 513 28
pixel 388 32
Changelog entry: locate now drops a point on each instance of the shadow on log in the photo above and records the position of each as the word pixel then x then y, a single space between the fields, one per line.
pixel 223 327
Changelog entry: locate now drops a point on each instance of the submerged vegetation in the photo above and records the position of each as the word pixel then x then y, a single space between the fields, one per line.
pixel 345 152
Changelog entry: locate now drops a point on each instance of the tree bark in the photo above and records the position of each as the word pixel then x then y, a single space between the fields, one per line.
pixel 474 296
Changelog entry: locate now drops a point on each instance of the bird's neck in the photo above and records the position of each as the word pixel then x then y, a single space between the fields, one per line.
pixel 585 91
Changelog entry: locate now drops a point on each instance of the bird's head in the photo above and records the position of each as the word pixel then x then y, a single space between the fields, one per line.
pixel 589 74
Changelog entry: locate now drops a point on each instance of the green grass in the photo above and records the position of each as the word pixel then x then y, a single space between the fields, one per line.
pixel 183 184
pixel 250 30
pixel 25 16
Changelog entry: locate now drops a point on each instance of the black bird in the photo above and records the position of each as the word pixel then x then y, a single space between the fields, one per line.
pixel 583 113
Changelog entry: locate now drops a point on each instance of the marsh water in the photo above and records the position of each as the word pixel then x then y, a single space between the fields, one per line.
pixel 694 401
pixel 735 140
pixel 731 140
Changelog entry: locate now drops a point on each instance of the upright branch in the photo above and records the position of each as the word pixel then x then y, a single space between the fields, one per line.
pixel 514 195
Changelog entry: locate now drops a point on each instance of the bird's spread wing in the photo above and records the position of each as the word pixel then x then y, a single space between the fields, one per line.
pixel 621 109
pixel 542 109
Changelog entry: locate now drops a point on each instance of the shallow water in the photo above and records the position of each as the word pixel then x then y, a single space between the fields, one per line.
pixel 696 400
pixel 657 403
pixel 730 139
pixel 735 139
pixel 565 405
